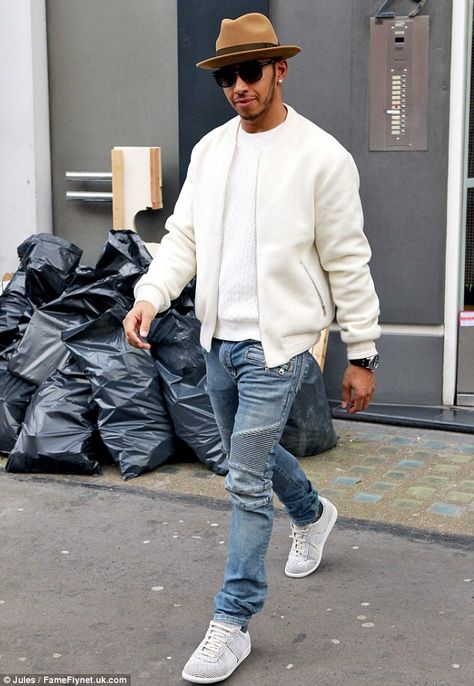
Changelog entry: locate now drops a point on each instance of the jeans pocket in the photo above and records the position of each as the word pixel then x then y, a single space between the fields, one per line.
pixel 255 355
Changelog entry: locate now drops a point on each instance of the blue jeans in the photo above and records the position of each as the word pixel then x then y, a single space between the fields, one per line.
pixel 251 403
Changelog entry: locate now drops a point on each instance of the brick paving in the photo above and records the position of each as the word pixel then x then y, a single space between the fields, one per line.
pixel 418 478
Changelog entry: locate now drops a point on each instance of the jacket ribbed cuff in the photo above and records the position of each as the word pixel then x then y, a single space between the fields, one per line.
pixel 150 295
pixel 357 351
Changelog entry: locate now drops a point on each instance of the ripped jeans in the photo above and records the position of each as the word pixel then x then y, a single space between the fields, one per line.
pixel 251 403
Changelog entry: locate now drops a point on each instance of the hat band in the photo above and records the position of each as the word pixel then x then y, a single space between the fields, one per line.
pixel 245 46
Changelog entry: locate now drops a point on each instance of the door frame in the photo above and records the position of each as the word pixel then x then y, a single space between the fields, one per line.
pixel 461 37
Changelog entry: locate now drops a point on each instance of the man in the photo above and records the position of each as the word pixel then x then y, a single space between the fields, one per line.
pixel 269 221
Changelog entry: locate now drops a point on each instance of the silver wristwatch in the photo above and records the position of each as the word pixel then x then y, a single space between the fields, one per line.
pixel 370 363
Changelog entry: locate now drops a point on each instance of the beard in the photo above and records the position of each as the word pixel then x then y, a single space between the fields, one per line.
pixel 266 105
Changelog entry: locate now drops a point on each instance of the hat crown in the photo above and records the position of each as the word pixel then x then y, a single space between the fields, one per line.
pixel 249 37
pixel 250 29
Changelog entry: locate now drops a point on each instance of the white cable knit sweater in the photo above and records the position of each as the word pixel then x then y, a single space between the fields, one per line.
pixel 237 310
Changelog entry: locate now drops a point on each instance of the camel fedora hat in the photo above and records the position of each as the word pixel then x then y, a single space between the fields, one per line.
pixel 249 37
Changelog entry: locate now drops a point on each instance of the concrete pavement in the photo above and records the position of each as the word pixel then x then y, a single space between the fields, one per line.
pixel 101 575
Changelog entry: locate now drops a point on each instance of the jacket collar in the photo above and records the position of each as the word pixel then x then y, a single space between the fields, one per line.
pixel 291 119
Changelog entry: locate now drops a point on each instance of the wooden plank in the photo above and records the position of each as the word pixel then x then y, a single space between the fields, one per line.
pixel 319 350
pixel 117 189
pixel 155 178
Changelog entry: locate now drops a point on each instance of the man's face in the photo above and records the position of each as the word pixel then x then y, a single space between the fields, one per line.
pixel 252 100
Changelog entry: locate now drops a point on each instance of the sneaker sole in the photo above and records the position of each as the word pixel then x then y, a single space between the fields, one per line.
pixel 300 575
pixel 204 680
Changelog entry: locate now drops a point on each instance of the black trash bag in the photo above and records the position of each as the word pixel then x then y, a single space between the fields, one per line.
pixel 41 351
pixel 124 253
pixel 133 421
pixel 309 429
pixel 90 294
pixel 10 349
pixel 49 263
pixel 15 396
pixel 15 312
pixel 59 433
pixel 184 303
pixel 182 369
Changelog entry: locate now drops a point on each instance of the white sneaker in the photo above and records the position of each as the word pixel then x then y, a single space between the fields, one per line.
pixel 219 654
pixel 308 542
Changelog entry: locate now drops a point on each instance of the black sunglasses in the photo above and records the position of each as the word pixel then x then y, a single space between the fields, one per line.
pixel 250 72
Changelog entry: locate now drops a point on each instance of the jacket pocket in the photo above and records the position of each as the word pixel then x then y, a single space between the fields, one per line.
pixel 323 306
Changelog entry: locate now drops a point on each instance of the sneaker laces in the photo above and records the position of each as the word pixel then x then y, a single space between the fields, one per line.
pixel 215 639
pixel 300 539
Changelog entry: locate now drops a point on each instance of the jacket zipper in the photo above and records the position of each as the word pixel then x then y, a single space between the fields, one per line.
pixel 221 236
pixel 323 306
pixel 256 242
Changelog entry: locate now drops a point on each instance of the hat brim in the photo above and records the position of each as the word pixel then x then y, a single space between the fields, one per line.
pixel 283 51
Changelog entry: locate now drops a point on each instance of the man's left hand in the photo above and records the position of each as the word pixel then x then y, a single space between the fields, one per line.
pixel 358 386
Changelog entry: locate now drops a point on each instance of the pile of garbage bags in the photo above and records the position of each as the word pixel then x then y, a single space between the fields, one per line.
pixel 74 395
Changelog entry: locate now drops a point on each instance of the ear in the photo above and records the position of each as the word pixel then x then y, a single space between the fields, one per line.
pixel 281 69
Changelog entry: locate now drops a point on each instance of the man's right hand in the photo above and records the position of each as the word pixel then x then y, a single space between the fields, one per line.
pixel 137 324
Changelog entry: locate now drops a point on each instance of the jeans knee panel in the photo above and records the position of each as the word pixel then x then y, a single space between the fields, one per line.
pixel 250 449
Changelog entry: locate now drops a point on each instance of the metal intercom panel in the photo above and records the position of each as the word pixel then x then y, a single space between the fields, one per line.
pixel 399 83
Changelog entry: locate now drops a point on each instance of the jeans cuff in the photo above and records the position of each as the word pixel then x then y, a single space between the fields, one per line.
pixel 311 521
pixel 231 620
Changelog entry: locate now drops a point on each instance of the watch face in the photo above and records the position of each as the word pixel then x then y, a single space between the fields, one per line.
pixel 373 363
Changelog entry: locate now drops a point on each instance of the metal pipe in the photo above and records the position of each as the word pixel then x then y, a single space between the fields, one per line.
pixel 89 196
pixel 88 176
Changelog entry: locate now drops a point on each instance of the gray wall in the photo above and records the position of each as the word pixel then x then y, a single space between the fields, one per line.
pixel 403 193
pixel 113 67
pixel 114 81
pixel 198 26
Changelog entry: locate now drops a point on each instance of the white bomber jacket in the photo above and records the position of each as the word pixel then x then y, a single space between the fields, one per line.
pixel 312 252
